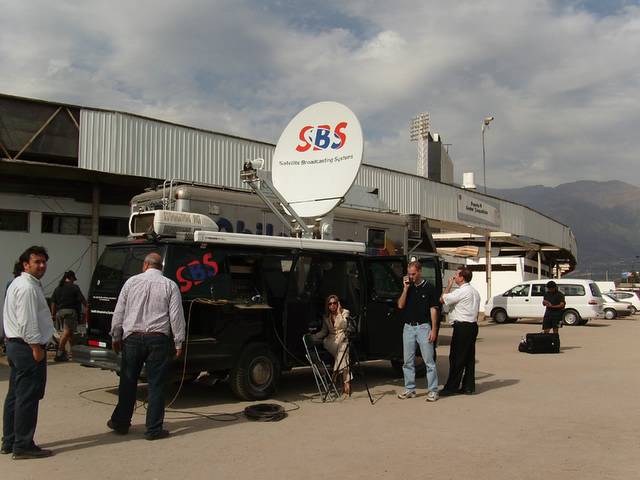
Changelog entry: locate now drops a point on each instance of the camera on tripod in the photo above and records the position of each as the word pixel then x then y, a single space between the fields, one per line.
pixel 352 331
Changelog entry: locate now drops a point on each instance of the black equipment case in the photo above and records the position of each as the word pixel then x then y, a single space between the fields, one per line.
pixel 540 343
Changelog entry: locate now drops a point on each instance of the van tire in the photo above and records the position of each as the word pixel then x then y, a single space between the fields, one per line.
pixel 256 374
pixel 610 313
pixel 571 318
pixel 499 315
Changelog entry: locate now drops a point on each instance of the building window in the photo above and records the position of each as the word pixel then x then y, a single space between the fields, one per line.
pixel 66 224
pixel 81 225
pixel 114 227
pixel 14 221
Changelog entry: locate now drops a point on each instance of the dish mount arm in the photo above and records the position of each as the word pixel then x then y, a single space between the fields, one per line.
pixel 251 176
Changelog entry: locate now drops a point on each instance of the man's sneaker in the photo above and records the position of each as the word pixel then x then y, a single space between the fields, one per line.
pixel 406 394
pixel 432 396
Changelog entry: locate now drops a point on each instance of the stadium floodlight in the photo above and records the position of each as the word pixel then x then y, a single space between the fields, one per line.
pixel 485 124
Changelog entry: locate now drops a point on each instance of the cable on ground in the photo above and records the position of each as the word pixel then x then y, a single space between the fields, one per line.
pixel 265 412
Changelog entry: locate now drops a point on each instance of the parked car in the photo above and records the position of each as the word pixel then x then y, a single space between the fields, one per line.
pixel 583 301
pixel 628 296
pixel 614 308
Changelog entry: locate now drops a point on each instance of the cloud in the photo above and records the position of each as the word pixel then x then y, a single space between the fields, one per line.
pixel 562 78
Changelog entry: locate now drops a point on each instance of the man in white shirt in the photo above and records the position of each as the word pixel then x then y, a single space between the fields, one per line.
pixel 464 304
pixel 28 328
pixel 149 309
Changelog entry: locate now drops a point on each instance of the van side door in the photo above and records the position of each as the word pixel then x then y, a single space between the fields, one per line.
pixel 535 307
pixel 518 301
pixel 382 326
pixel 313 278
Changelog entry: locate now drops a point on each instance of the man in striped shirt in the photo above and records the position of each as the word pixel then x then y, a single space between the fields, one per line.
pixel 149 309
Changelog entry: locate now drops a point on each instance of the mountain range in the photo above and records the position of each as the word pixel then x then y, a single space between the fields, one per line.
pixel 604 217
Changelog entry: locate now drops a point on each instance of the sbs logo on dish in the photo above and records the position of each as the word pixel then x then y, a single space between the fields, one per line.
pixel 322 137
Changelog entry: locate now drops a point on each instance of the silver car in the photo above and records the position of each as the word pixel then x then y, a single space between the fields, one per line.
pixel 614 308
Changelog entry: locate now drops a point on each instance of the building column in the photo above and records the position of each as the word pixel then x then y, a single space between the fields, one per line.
pixel 487 248
pixel 95 225
pixel 539 265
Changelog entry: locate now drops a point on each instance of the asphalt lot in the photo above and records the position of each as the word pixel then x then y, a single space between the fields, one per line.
pixel 569 416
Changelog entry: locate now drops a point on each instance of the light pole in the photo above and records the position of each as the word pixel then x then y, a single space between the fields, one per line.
pixel 485 124
pixel 419 132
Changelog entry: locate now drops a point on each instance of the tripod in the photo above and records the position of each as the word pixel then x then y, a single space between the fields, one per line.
pixel 353 362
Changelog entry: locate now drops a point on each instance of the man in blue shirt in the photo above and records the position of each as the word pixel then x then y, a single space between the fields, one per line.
pixel 419 302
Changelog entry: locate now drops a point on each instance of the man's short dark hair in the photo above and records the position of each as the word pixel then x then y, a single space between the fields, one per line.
pixel 465 273
pixel 17 269
pixel 33 250
pixel 552 284
pixel 416 264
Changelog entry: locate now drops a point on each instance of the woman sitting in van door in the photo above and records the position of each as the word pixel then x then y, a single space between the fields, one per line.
pixel 554 301
pixel 334 336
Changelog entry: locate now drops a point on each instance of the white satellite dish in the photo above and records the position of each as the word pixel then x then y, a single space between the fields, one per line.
pixel 317 158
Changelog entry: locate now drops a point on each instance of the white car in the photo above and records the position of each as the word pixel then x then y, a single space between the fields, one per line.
pixel 614 308
pixel 582 297
pixel 628 296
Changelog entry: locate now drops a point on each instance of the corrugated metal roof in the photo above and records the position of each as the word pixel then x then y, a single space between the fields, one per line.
pixel 126 144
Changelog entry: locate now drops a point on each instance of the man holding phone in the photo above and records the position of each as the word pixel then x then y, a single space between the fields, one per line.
pixel 420 305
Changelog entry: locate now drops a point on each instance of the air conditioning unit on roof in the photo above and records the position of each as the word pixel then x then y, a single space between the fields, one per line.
pixel 168 223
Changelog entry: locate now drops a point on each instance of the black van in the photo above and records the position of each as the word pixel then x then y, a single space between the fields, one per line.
pixel 247 307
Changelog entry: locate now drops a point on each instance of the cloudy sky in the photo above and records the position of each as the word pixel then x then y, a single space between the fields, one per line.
pixel 561 77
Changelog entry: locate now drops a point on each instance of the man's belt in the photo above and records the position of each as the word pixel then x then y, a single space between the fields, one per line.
pixel 415 324
pixel 19 340
pixel 148 334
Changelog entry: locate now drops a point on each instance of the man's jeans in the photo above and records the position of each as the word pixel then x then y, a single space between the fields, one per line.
pixel 138 350
pixel 27 382
pixel 410 336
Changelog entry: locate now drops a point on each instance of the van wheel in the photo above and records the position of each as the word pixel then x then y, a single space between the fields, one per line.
pixel 256 374
pixel 500 316
pixel 610 314
pixel 571 317
pixel 633 309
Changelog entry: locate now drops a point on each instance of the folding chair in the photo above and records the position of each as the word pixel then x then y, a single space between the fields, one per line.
pixel 324 382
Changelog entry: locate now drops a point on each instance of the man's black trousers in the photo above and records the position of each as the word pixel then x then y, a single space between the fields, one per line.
pixel 27 382
pixel 462 357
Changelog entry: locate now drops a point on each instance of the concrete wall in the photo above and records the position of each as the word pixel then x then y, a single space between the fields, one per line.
pixel 66 252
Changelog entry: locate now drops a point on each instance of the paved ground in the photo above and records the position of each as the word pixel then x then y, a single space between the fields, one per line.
pixel 568 416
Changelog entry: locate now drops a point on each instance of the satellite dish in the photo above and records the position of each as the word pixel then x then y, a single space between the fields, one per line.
pixel 317 158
